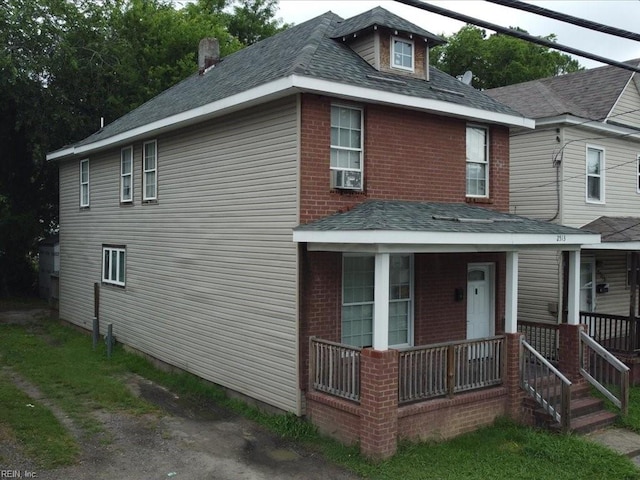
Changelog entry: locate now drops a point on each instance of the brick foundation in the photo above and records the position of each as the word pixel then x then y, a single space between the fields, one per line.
pixel 445 418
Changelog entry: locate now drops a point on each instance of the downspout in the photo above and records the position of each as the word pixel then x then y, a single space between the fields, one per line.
pixel 556 162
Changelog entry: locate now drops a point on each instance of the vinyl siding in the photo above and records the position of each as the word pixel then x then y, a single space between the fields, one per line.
pixel 365 47
pixel 538 285
pixel 627 109
pixel 211 280
pixel 532 174
pixel 611 268
pixel 620 173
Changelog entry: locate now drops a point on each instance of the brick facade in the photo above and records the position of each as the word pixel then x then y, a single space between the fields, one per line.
pixel 411 156
pixel 408 155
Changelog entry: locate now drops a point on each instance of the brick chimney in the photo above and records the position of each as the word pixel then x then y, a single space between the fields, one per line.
pixel 208 53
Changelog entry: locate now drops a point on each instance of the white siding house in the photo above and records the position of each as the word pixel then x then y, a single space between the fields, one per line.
pixel 579 165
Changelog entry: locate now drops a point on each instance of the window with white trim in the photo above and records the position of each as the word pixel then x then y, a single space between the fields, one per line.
pixel 126 175
pixel 113 265
pixel 346 147
pixel 595 175
pixel 84 183
pixel 358 282
pixel 150 171
pixel 402 54
pixel 638 174
pixel 477 161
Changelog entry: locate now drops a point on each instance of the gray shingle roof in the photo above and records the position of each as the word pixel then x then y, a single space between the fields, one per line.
pixel 589 94
pixel 382 18
pixel 392 215
pixel 615 229
pixel 306 50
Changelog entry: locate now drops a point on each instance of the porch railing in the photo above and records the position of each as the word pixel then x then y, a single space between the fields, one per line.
pixel 541 336
pixel 334 368
pixel 545 384
pixel 447 368
pixel 617 333
pixel 604 371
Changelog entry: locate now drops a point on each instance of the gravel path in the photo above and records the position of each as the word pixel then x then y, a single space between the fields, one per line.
pixel 185 441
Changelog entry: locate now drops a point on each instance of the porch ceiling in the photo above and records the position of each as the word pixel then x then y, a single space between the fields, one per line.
pixel 396 226
pixel 618 233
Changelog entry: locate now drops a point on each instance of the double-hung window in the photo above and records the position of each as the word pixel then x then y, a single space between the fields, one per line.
pixel 150 171
pixel 84 183
pixel 477 161
pixel 346 147
pixel 595 175
pixel 126 175
pixel 402 54
pixel 638 174
pixel 113 265
pixel 358 284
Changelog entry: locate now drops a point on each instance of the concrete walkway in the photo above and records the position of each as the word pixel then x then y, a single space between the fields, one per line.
pixel 619 440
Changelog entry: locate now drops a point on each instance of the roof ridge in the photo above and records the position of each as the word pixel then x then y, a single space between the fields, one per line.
pixel 313 42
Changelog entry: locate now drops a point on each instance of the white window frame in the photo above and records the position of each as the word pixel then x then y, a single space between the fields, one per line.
pixel 410 300
pixel 146 171
pixel 638 174
pixel 124 175
pixel 485 162
pixel 591 260
pixel 84 185
pixel 119 253
pixel 359 149
pixel 600 176
pixel 395 39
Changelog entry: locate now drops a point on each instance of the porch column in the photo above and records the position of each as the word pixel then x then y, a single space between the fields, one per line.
pixel 378 403
pixel 511 294
pixel 381 303
pixel 573 295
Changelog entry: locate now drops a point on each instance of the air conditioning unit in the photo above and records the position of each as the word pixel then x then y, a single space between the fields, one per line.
pixel 346 179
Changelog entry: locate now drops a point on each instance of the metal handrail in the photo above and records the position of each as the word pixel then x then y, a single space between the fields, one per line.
pixel 544 398
pixel 623 402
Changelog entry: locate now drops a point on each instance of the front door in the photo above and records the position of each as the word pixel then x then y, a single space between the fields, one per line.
pixel 480 322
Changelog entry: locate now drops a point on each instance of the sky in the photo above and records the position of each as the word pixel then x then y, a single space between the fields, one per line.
pixel 624 14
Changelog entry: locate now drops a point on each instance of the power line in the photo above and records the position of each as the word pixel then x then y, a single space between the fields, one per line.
pixel 515 33
pixel 563 17
pixel 529 187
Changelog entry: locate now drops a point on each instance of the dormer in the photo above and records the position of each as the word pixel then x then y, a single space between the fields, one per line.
pixel 388 42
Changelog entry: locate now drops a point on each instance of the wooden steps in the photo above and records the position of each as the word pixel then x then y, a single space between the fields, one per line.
pixel 587 413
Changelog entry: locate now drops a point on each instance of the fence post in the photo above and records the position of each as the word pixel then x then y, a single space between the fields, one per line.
pixel 565 407
pixel 451 370
pixel 95 331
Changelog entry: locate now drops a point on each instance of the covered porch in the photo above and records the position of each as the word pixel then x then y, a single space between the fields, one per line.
pixel 418 338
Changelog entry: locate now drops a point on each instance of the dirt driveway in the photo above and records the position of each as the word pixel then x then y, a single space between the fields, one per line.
pixel 185 441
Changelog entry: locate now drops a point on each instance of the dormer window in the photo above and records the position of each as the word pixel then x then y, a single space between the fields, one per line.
pixel 402 55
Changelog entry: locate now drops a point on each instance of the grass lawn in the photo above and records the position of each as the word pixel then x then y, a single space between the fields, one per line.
pixel 78 379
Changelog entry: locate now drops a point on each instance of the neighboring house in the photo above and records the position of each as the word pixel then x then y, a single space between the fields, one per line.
pixel 581 167
pixel 319 222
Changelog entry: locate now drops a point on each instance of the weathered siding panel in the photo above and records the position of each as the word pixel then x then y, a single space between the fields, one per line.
pixel 627 109
pixel 611 268
pixel 533 176
pixel 365 47
pixel 620 173
pixel 211 281
pixel 538 285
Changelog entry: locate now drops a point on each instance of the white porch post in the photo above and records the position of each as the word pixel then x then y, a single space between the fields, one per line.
pixel 381 303
pixel 511 294
pixel 573 295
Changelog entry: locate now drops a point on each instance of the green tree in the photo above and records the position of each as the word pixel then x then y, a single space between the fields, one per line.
pixel 64 65
pixel 253 20
pixel 498 60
